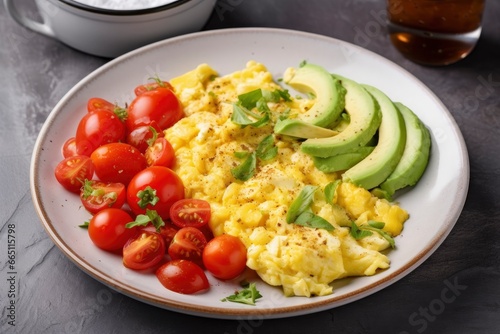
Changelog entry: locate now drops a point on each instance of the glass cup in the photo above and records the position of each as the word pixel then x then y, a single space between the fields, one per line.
pixel 435 32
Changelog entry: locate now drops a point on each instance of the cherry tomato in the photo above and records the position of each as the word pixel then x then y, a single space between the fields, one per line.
pixel 144 251
pixel 161 153
pixel 188 244
pixel 107 229
pixel 225 256
pixel 72 172
pixel 97 103
pixel 154 188
pixel 98 128
pixel 117 162
pixel 160 105
pixel 98 195
pixel 141 136
pixel 69 148
pixel 182 276
pixel 139 90
pixel 168 231
pixel 190 212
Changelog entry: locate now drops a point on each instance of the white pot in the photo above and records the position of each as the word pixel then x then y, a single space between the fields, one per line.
pixel 110 33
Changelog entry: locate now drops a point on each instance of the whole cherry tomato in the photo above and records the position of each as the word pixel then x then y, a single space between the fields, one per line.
pixel 225 256
pixel 117 162
pixel 142 136
pixel 139 90
pixel 160 105
pixel 154 188
pixel 107 229
pixel 98 128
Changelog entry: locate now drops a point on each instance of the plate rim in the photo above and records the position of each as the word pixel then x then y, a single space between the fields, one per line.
pixel 214 312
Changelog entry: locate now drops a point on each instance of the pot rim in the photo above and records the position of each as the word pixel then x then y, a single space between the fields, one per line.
pixel 128 12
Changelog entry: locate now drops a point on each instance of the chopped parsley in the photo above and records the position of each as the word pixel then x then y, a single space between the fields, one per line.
pixel 248 295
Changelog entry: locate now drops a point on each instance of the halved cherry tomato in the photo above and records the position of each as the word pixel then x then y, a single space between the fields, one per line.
pixel 145 251
pixel 98 128
pixel 168 231
pixel 141 136
pixel 182 276
pixel 225 256
pixel 154 188
pixel 161 153
pixel 190 212
pixel 97 195
pixel 117 162
pixel 188 244
pixel 160 105
pixel 72 172
pixel 107 229
pixel 97 103
pixel 69 148
pixel 139 90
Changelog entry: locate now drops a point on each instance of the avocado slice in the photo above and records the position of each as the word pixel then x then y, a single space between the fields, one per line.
pixel 378 165
pixel 300 129
pixel 415 157
pixel 342 161
pixel 329 94
pixel 365 118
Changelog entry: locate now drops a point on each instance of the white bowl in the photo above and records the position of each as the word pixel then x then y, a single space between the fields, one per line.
pixel 110 33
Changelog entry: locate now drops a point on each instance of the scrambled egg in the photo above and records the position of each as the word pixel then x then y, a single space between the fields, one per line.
pixel 303 260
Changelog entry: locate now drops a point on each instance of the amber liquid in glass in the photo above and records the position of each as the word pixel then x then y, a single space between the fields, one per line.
pixel 435 32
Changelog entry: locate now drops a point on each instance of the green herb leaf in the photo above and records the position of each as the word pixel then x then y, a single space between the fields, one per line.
pixel 301 203
pixel 84 225
pixel 246 169
pixel 249 100
pixel 266 149
pixel 330 190
pixel 358 233
pixel 309 219
pixel 151 216
pixel 248 295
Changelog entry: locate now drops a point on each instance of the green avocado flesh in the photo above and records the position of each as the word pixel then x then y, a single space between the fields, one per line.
pixel 415 157
pixel 381 162
pixel 300 129
pixel 328 92
pixel 365 118
pixel 342 161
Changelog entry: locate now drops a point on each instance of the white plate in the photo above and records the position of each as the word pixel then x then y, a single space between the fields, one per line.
pixel 434 204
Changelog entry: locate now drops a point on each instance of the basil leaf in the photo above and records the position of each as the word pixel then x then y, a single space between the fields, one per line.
pixel 358 233
pixel 246 169
pixel 330 190
pixel 301 203
pixel 249 100
pixel 266 149
pixel 309 219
